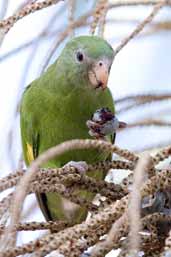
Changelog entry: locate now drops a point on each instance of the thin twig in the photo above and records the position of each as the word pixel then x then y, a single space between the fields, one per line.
pixel 141 26
pixel 26 10
pixel 71 9
pixel 150 122
pixel 60 39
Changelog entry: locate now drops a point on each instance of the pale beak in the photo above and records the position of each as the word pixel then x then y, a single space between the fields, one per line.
pixel 99 74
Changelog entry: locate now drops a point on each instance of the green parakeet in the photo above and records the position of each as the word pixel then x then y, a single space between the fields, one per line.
pixel 55 108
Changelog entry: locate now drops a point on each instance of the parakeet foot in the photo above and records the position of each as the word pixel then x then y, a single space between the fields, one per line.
pixel 94 129
pixel 103 123
pixel 85 254
pixel 81 166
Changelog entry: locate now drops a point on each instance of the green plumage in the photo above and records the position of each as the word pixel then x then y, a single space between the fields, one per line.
pixel 55 108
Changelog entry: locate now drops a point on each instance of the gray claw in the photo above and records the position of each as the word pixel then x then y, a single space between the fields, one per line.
pixel 85 254
pixel 81 166
pixel 104 123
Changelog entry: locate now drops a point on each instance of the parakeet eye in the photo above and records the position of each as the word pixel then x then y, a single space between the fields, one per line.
pixel 80 56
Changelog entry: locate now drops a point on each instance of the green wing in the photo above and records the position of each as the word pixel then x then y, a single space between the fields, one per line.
pixel 30 142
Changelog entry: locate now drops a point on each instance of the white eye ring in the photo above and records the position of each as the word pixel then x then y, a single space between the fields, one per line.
pixel 80 56
pixel 100 63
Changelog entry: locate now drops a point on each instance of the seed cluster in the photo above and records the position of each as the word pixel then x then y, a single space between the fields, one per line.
pixel 111 217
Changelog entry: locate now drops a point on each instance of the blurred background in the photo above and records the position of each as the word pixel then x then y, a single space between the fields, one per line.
pixel 140 78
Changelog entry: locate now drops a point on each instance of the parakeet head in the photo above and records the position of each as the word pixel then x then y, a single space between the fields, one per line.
pixel 88 59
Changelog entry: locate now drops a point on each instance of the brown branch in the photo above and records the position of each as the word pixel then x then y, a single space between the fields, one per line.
pixel 141 26
pixel 144 97
pixel 135 205
pixel 65 192
pixel 99 12
pixel 113 237
pixel 71 9
pixel 5 204
pixel 103 19
pixel 22 188
pixel 32 226
pixel 13 178
pixel 80 22
pixel 162 155
pixel 132 102
pixel 150 122
pixel 7 24
pixel 121 224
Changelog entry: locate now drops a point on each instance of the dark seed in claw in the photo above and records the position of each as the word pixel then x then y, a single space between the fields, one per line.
pixel 103 122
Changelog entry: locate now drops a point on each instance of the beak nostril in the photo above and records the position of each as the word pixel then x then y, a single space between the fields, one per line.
pixel 100 84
